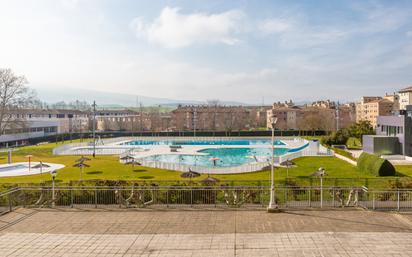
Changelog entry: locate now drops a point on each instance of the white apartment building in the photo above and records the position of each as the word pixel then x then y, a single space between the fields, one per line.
pixel 32 123
pixel 405 97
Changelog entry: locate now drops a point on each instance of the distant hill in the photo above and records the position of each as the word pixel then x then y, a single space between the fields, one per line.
pixel 109 99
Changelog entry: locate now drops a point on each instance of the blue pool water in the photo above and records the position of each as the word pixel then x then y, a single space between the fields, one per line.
pixel 13 167
pixel 228 157
pixel 204 142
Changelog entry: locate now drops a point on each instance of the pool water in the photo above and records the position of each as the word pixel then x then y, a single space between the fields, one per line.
pixel 204 142
pixel 228 157
pixel 13 167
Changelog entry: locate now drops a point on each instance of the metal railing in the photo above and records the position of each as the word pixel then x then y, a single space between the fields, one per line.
pixel 203 197
pixel 250 167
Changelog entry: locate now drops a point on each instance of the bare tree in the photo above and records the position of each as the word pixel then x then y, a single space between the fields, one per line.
pixel 14 95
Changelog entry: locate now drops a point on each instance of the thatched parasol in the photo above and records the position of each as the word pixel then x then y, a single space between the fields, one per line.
pixel 210 180
pixel 82 159
pixel 287 163
pixel 190 174
pixel 41 165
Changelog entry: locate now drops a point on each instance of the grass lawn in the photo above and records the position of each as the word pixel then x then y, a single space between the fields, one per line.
pixel 108 168
pixel 354 143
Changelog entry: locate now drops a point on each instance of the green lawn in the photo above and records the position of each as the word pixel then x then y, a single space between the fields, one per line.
pixel 340 173
pixel 354 143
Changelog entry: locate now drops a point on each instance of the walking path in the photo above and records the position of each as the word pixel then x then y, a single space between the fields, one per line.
pixel 205 233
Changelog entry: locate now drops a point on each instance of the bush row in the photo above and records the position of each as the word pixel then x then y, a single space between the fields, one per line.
pixel 375 165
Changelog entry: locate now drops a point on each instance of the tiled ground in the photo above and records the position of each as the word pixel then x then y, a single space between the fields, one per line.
pixel 204 233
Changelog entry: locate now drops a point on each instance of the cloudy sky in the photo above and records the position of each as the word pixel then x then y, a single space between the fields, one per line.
pixel 212 49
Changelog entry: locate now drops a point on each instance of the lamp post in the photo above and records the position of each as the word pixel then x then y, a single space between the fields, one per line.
pixel 273 207
pixel 94 129
pixel 53 173
pixel 320 173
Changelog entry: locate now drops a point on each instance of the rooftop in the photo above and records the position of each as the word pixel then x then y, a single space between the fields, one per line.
pixel 406 89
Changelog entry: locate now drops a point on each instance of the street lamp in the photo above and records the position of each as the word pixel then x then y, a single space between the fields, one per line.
pixel 320 173
pixel 273 207
pixel 53 173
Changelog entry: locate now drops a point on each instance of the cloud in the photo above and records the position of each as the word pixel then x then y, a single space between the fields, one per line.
pixel 173 29
pixel 270 26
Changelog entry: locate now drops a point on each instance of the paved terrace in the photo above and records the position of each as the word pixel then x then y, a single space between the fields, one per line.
pixel 204 233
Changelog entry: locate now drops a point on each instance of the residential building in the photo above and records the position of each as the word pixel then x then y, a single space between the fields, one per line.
pixel 370 107
pixel 393 135
pixel 405 97
pixel 320 115
pixel 27 124
pixel 130 120
pixel 213 118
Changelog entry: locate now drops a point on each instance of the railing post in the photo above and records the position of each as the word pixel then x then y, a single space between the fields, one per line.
pixel 71 197
pixel 310 198
pixel 215 195
pixel 95 197
pixel 398 201
pixel 286 196
pixel 167 198
pixel 333 197
pixel 373 201
pixel 10 203
pixel 191 196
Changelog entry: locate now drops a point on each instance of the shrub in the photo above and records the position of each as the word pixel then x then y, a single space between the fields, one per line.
pixel 375 165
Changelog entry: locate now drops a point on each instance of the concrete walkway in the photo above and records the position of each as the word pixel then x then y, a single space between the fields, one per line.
pixel 204 233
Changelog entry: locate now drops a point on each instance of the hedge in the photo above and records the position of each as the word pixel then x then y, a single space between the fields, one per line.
pixel 375 165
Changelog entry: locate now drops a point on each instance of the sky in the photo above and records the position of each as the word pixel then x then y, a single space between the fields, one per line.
pixel 245 51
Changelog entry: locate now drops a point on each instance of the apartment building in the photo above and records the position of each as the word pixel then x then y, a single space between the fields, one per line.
pixel 405 97
pixel 215 118
pixel 320 115
pixel 68 121
pixel 25 124
pixel 129 120
pixel 370 107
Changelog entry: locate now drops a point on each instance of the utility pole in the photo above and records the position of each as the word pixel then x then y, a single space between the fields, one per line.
pixel 94 129
pixel 337 116
pixel 141 117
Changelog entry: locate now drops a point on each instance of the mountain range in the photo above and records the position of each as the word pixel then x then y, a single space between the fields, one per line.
pixel 102 98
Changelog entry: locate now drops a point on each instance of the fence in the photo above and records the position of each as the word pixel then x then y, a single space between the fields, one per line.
pixel 201 169
pixel 225 197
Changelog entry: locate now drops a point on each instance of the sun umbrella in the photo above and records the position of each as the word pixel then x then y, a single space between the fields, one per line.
pixel 319 173
pixel 253 157
pixel 210 180
pixel 29 156
pixel 82 159
pixel 127 157
pixel 287 163
pixel 190 174
pixel 132 162
pixel 41 165
pixel 214 159
pixel 81 165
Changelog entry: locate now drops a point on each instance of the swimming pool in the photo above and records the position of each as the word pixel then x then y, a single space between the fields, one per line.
pixel 13 167
pixel 245 142
pixel 225 157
